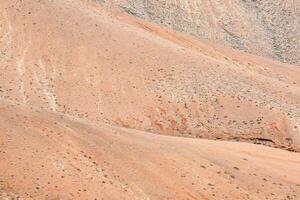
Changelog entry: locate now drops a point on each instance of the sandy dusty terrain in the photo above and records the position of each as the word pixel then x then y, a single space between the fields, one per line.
pixel 83 89
pixel 46 155
pixel 112 68
pixel 267 28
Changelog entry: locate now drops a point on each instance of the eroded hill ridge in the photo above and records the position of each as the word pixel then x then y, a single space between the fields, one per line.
pixel 263 27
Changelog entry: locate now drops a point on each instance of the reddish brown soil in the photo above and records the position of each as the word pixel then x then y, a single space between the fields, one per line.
pixel 46 155
pixel 72 72
pixel 107 67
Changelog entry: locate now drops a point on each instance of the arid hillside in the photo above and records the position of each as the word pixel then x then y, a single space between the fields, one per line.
pixel 92 101
pixel 48 155
pixel 112 68
pixel 267 28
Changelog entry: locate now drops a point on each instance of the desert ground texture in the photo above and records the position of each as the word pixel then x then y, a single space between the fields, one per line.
pixel 101 101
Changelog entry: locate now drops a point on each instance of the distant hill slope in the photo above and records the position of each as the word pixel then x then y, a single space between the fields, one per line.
pixel 263 27
pixel 113 68
pixel 47 155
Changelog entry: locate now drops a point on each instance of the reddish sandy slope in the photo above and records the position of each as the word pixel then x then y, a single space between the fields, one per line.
pixel 72 57
pixel 46 155
pixel 67 67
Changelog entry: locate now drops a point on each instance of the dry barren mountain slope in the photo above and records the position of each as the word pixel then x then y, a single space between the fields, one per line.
pixel 46 155
pixel 264 27
pixel 112 68
pixel 74 77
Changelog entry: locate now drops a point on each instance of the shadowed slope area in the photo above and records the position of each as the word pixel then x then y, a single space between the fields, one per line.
pixel 107 67
pixel 45 155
